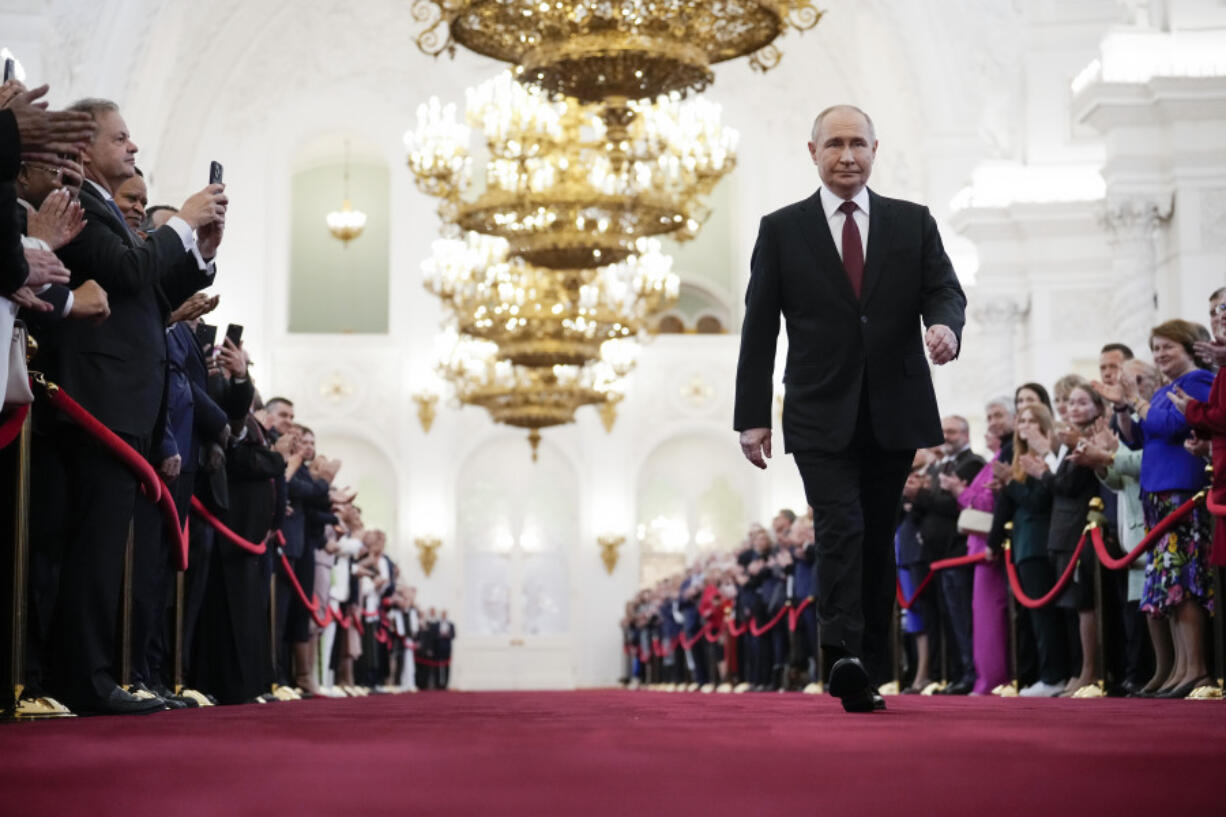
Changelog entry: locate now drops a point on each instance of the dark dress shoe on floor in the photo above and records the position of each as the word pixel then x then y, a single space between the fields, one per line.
pixel 122 702
pixel 961 688
pixel 1184 690
pixel 849 683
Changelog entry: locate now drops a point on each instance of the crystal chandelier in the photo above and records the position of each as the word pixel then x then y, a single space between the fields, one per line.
pixel 346 223
pixel 613 50
pixel 541 317
pixel 571 186
pixel 531 397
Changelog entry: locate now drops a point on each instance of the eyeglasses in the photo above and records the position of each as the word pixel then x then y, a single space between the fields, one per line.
pixel 53 172
pixel 1219 309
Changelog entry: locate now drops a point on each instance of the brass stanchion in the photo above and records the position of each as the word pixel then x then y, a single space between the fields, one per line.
pixel 1010 690
pixel 1098 689
pixel 177 676
pixel 125 640
pixel 21 543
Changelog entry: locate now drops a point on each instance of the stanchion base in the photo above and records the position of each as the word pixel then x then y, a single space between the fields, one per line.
pixel 40 709
pixel 813 689
pixel 195 695
pixel 741 687
pixel 693 687
pixel 1005 691
pixel 707 689
pixel 284 694
pixel 1090 691
pixel 1208 692
pixel 724 688
pixel 934 688
pixel 634 684
pixel 889 688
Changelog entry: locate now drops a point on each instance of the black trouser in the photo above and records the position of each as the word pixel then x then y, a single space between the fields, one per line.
pixel 49 517
pixel 195 583
pixel 855 494
pixel 804 643
pixel 102 493
pixel 1037 578
pixel 956 589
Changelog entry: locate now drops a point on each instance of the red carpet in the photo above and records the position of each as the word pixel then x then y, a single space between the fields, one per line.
pixel 625 754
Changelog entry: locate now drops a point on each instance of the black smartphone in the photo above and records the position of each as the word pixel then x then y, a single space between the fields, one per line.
pixel 235 333
pixel 215 171
pixel 10 68
pixel 206 335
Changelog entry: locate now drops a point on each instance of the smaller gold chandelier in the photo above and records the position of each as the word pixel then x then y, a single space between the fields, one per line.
pixel 346 223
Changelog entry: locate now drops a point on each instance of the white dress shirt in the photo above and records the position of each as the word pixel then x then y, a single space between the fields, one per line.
pixel 835 217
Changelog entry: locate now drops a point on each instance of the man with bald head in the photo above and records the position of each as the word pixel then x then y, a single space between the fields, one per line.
pixel 853 274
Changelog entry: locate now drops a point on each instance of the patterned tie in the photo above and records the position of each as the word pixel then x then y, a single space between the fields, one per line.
pixel 853 250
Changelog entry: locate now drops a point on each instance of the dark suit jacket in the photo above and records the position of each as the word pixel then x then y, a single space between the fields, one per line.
pixel 937 512
pixel 117 369
pixel 840 348
pixel 13 269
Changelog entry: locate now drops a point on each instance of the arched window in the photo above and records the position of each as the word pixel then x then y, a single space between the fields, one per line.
pixel 338 287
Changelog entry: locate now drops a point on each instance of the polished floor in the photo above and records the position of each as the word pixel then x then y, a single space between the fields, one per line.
pixel 625 753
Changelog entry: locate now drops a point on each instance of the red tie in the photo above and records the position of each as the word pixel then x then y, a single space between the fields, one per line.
pixel 853 250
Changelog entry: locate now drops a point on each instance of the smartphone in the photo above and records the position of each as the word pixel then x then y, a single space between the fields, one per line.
pixel 10 68
pixel 235 333
pixel 215 171
pixel 206 335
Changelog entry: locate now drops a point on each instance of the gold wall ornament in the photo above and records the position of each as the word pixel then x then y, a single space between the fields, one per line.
pixel 598 50
pixel 609 545
pixel 568 185
pixel 426 409
pixel 427 552
pixel 608 411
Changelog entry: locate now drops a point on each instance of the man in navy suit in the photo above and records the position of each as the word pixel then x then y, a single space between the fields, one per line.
pixel 854 274
pixel 117 371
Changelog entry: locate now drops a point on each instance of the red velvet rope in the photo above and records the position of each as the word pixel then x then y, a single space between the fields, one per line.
pixel 341 621
pixel 11 427
pixel 233 538
pixel 314 604
pixel 733 630
pixel 1052 594
pixel 125 453
pixel 933 569
pixel 755 630
pixel 794 615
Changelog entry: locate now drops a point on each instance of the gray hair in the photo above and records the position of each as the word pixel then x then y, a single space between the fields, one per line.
pixel 94 106
pixel 1002 401
pixel 821 117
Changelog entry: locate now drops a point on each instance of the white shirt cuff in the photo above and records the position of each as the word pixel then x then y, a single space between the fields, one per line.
pixel 189 242
pixel 31 243
pixel 68 305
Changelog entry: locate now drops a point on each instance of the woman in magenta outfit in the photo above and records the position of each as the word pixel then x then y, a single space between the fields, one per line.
pixel 989 596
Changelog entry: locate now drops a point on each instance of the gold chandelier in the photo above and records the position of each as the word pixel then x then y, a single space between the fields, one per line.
pixel 540 317
pixel 346 223
pixel 531 397
pixel 571 186
pixel 613 50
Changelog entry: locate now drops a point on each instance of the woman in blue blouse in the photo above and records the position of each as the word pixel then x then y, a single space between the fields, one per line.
pixel 1178 584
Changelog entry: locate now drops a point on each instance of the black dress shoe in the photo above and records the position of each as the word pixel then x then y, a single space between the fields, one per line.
pixel 1184 690
pixel 963 687
pixel 122 702
pixel 849 683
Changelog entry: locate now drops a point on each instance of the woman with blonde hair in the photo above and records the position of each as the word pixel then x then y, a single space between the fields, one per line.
pixel 1026 501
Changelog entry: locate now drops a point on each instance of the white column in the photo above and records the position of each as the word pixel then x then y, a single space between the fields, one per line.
pixel 997 318
pixel 1132 225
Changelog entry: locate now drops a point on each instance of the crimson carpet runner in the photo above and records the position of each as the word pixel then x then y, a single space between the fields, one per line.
pixel 625 754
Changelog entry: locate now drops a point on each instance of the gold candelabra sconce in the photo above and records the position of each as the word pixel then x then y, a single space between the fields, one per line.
pixel 427 409
pixel 608 411
pixel 609 550
pixel 427 552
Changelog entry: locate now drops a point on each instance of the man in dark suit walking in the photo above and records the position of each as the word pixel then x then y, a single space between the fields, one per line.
pixel 117 371
pixel 853 274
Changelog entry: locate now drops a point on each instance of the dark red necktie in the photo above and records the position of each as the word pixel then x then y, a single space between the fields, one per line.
pixel 853 250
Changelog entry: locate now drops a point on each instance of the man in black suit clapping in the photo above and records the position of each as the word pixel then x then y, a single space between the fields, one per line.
pixel 854 274
pixel 117 371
